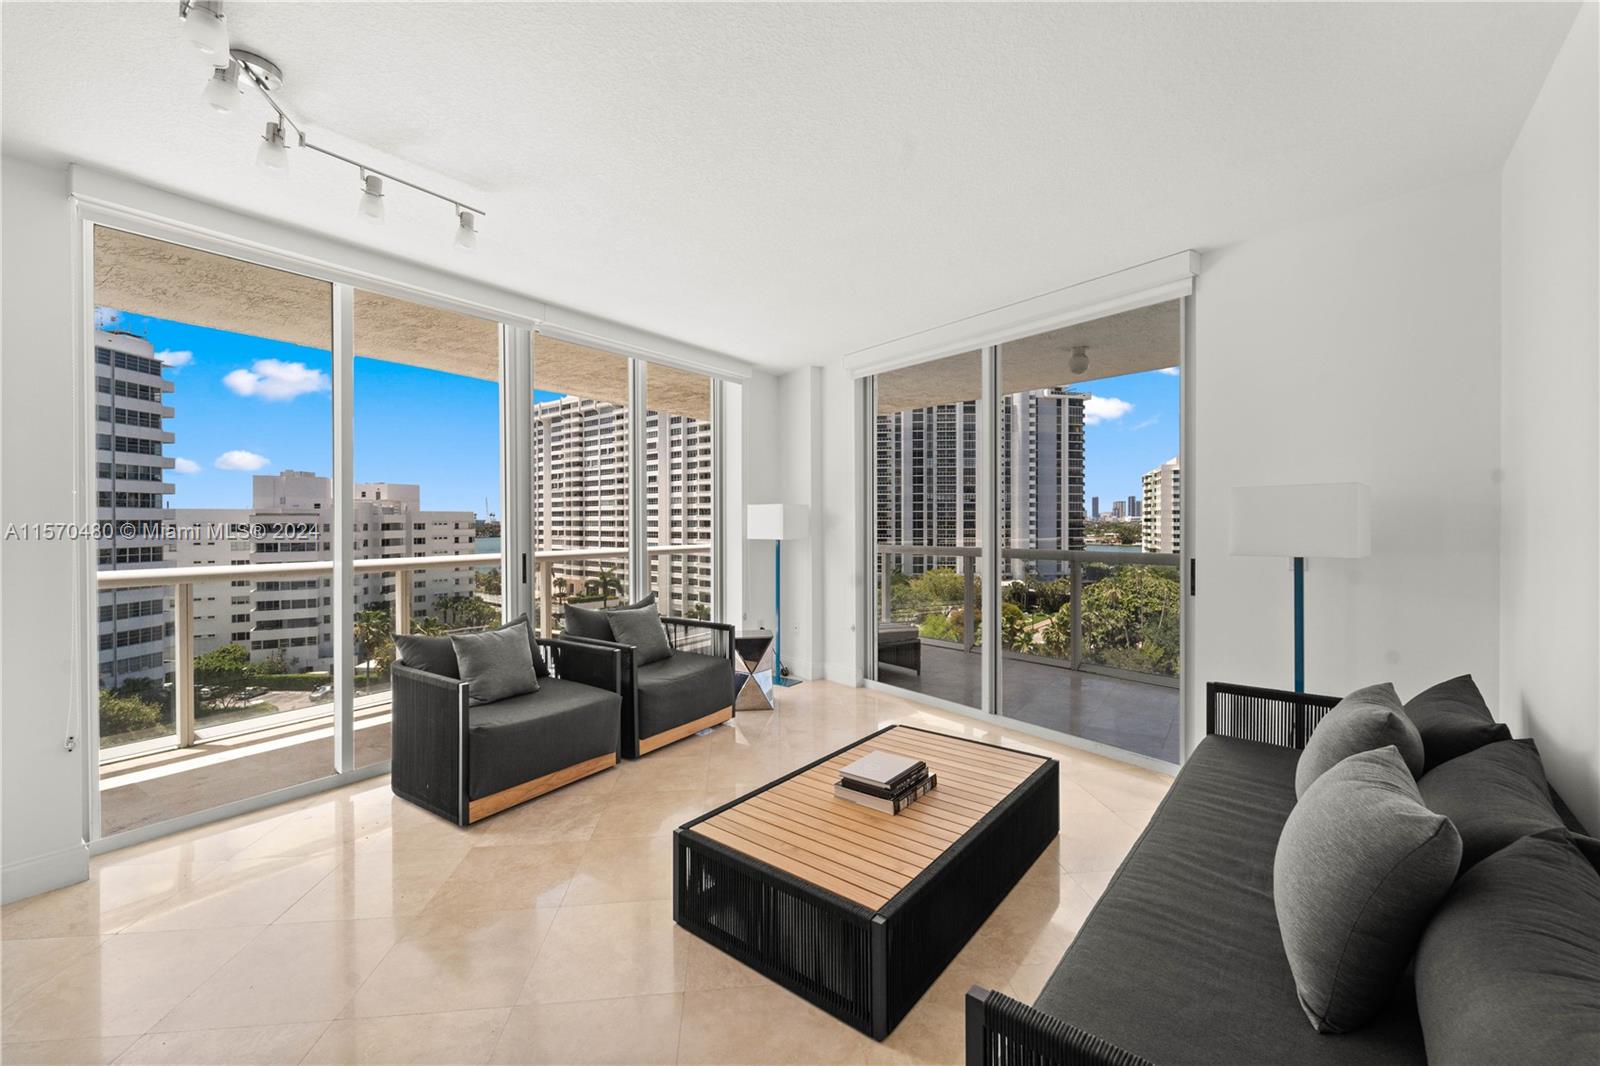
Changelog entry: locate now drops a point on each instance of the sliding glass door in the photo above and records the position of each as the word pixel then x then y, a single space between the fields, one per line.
pixel 1082 452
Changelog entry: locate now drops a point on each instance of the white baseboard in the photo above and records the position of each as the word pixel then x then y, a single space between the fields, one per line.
pixel 42 873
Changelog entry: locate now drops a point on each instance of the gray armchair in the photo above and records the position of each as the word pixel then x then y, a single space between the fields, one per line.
pixel 467 761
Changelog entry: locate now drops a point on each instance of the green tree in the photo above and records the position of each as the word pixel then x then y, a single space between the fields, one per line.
pixel 1014 632
pixel 124 713
pixel 374 637
pixel 1058 633
pixel 487 582
pixel 1130 619
pixel 429 627
pixel 224 678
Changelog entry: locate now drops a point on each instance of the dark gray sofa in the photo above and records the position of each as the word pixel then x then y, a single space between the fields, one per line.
pixel 673 698
pixel 1181 960
pixel 467 761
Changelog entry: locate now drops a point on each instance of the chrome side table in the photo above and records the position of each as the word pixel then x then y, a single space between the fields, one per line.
pixel 752 673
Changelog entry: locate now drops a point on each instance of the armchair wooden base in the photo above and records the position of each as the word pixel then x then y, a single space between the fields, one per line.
pixel 667 736
pixel 510 797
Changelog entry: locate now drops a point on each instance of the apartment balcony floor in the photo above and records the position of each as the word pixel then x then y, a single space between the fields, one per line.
pixel 353 926
pixel 1136 716
pixel 212 773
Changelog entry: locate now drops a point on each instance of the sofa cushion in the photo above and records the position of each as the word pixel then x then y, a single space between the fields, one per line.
pixel 640 628
pixel 594 622
pixel 1453 719
pixel 529 736
pixel 1509 969
pixel 1181 960
pixel 1359 869
pixel 436 655
pixel 1495 795
pixel 496 664
pixel 1367 719
pixel 680 688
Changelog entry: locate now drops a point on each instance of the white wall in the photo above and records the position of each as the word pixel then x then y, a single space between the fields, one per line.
pixel 1358 347
pixel 1550 409
pixel 43 814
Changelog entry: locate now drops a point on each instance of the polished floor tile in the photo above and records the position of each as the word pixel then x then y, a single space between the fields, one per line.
pixel 353 926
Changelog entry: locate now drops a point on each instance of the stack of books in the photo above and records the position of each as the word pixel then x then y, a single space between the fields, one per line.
pixel 885 782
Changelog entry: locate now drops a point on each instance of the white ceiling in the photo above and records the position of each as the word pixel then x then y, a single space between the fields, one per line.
pixel 789 183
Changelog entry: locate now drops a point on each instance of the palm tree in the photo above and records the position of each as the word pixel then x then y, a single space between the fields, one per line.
pixel 373 630
pixel 607 584
pixel 429 627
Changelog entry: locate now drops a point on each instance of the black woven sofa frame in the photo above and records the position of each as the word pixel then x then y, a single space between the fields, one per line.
pixel 431 762
pixel 685 635
pixel 1002 1031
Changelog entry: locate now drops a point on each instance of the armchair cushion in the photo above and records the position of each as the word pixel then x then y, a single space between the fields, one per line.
pixel 594 622
pixel 640 628
pixel 496 664
pixel 680 688
pixel 1494 796
pixel 435 655
pixel 518 739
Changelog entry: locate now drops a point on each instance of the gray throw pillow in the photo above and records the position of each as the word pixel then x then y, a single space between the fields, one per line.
pixel 1509 969
pixel 594 622
pixel 1367 719
pixel 496 664
pixel 1453 719
pixel 641 629
pixel 1360 866
pixel 1495 796
pixel 436 655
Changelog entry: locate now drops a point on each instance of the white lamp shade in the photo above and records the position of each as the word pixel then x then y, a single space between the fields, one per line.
pixel 1332 521
pixel 775 521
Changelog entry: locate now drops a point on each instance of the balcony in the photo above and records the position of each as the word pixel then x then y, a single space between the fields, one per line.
pixel 1090 638
pixel 205 743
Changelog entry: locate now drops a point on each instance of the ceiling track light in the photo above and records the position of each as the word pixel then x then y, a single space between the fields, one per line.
pixel 204 27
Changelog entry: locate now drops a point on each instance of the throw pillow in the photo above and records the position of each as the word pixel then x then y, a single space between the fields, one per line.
pixel 1367 719
pixel 1360 866
pixel 540 669
pixel 1495 796
pixel 641 629
pixel 1453 719
pixel 1509 969
pixel 436 655
pixel 595 622
pixel 496 664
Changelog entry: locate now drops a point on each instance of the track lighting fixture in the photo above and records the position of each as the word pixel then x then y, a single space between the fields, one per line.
pixel 241 69
pixel 274 151
pixel 204 26
pixel 467 231
pixel 1079 361
pixel 222 90
pixel 371 204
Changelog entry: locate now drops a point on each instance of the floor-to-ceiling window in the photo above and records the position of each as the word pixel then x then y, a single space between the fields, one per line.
pixel 213 430
pixel 926 592
pixel 680 490
pixel 1077 442
pixel 581 441
pixel 425 489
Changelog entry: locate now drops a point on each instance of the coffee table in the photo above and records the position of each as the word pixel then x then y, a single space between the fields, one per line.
pixel 856 910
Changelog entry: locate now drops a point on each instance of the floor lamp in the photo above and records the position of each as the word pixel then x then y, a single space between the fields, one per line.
pixel 1300 522
pixel 776 522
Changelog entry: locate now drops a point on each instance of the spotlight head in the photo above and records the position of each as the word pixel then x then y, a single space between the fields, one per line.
pixel 273 153
pixel 1079 361
pixel 371 205
pixel 204 27
pixel 222 89
pixel 467 231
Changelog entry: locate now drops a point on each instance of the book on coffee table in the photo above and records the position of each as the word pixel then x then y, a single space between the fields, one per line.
pixel 882 769
pixel 893 804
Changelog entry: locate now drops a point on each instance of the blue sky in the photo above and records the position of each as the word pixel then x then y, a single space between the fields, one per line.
pixel 246 405
pixel 1122 440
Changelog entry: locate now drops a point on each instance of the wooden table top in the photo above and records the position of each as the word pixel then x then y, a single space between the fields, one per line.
pixel 799 825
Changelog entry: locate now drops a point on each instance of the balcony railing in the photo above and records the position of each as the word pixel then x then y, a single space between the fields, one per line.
pixel 953 623
pixel 182 581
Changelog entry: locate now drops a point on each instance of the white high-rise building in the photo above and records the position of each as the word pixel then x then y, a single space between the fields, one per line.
pixel 1161 510
pixel 131 488
pixel 291 618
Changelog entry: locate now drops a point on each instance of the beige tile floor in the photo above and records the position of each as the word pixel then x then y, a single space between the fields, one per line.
pixel 354 927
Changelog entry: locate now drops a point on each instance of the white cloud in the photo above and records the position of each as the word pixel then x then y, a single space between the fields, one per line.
pixel 1170 371
pixel 105 317
pixel 1146 424
pixel 185 466
pixel 239 459
pixel 175 359
pixel 1098 409
pixel 273 379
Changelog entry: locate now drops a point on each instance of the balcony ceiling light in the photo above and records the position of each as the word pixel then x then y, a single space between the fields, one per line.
pixel 1079 361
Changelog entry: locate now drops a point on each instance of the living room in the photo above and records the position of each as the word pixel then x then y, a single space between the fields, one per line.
pixel 1122 425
